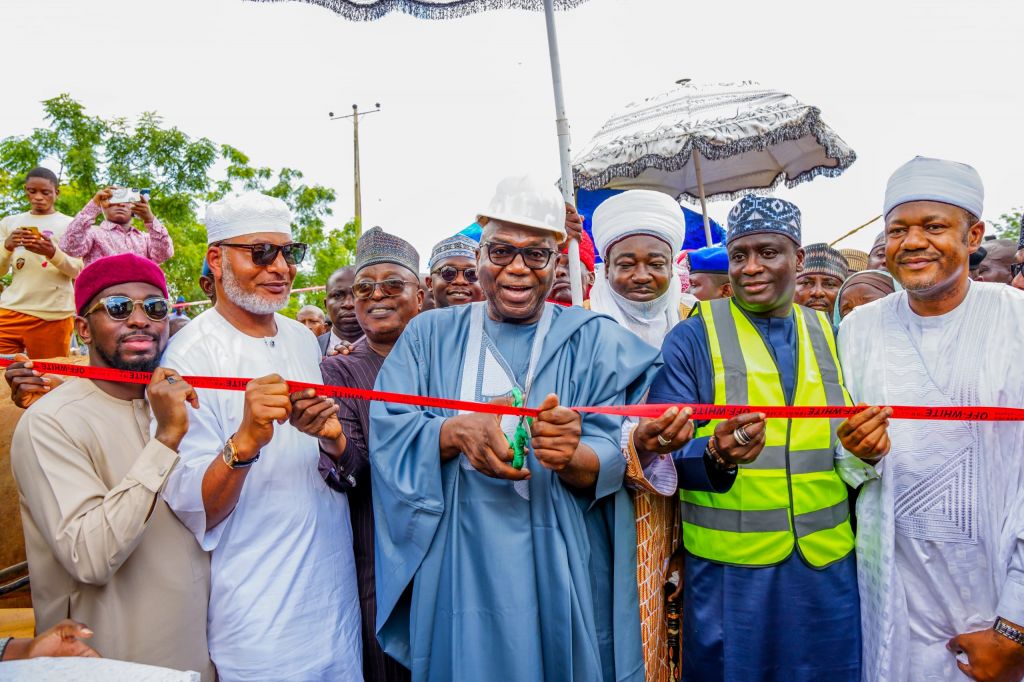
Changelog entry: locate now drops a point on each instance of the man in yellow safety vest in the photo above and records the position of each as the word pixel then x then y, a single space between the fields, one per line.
pixel 770 578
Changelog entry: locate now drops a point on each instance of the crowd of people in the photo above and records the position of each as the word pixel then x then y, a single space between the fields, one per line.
pixel 279 534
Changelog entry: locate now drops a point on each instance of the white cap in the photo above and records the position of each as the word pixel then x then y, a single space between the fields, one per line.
pixel 524 200
pixel 925 179
pixel 246 213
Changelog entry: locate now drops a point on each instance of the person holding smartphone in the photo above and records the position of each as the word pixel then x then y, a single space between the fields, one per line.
pixel 116 234
pixel 37 309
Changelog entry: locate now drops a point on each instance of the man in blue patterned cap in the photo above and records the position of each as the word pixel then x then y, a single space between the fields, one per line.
pixel 452 268
pixel 770 579
pixel 709 273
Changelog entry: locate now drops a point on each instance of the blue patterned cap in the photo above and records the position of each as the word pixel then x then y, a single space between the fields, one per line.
pixel 756 215
pixel 713 259
pixel 459 246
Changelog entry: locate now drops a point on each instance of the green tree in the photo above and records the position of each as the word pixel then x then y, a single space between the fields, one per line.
pixel 184 173
pixel 1007 226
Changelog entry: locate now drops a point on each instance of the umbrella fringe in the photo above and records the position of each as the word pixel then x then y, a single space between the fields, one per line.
pixel 809 124
pixel 454 9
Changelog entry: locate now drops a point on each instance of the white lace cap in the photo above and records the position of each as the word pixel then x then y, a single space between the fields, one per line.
pixel 246 213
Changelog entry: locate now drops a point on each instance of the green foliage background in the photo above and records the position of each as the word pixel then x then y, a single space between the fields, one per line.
pixel 1007 226
pixel 183 172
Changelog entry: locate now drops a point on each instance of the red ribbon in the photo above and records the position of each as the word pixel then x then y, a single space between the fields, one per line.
pixel 699 411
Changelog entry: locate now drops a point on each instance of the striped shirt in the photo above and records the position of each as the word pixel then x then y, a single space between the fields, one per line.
pixel 359 369
pixel 90 243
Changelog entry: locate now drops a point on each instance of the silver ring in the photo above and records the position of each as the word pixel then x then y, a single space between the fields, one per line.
pixel 664 442
pixel 171 380
pixel 741 436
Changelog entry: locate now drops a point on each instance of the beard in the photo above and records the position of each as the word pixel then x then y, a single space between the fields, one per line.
pixel 248 301
pixel 118 361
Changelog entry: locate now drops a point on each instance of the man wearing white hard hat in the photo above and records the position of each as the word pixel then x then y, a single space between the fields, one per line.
pixel 488 570
pixel 283 598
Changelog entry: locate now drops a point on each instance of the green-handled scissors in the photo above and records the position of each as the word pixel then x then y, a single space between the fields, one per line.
pixel 520 440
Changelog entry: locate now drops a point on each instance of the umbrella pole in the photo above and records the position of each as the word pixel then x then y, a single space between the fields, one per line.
pixel 562 126
pixel 703 199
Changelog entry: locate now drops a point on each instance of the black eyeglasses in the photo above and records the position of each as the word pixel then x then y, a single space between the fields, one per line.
pixel 1016 269
pixel 534 257
pixel 121 307
pixel 450 273
pixel 265 254
pixel 388 288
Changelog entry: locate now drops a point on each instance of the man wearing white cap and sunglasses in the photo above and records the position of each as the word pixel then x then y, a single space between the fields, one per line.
pixel 283 599
pixel 488 569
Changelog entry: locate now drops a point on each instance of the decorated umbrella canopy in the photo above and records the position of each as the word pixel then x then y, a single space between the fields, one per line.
pixel 739 137
pixel 369 10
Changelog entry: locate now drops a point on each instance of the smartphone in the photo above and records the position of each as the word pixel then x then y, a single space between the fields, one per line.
pixel 124 195
pixel 34 230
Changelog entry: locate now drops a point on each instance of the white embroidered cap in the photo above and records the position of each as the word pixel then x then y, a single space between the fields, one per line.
pixel 246 213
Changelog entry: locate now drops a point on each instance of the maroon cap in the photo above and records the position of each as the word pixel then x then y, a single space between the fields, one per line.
pixel 119 269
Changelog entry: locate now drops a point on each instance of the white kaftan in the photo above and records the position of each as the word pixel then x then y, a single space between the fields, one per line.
pixel 283 598
pixel 940 543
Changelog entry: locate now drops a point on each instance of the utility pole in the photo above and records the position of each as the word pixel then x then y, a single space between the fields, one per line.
pixel 355 147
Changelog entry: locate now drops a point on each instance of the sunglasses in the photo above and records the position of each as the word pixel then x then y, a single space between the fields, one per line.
pixel 534 257
pixel 450 273
pixel 121 307
pixel 1016 269
pixel 388 288
pixel 265 254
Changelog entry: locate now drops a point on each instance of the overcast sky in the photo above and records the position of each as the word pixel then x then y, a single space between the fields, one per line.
pixel 468 101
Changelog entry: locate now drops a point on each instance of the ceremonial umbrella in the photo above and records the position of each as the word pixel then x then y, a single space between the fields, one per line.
pixel 370 10
pixel 739 137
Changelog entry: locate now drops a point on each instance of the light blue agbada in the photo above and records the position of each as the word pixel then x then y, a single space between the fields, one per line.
pixel 479 578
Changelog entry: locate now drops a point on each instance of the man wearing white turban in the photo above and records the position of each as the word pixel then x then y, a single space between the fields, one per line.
pixel 283 599
pixel 638 234
pixel 940 536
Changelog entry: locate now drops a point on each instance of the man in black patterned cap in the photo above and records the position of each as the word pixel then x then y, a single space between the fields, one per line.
pixel 387 296
pixel 822 276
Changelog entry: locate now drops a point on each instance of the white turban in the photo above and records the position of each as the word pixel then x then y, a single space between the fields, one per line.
pixel 924 179
pixel 246 213
pixel 635 212
pixel 638 211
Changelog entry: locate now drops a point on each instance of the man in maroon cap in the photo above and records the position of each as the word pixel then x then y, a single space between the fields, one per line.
pixel 103 547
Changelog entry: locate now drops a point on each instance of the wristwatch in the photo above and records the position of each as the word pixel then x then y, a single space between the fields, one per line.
pixel 230 457
pixel 1009 631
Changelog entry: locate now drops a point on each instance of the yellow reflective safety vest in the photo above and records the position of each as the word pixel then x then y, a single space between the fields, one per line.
pixel 790 496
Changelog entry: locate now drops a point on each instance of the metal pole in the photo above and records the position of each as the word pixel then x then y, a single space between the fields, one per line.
pixel 703 200
pixel 358 191
pixel 564 142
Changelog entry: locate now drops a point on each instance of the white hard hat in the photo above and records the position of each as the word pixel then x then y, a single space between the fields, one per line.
pixel 524 200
